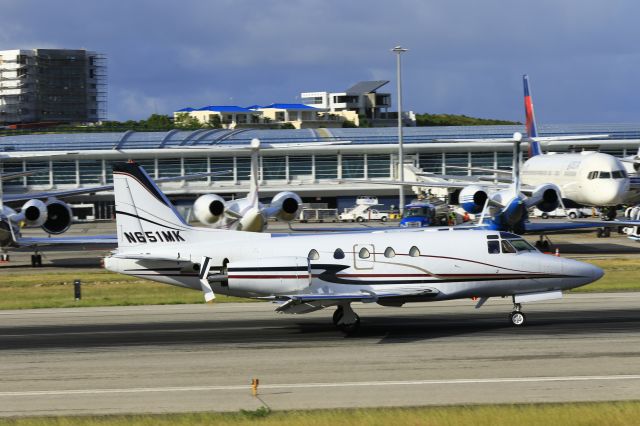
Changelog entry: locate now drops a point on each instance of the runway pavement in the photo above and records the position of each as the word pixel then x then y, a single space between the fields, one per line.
pixel 584 347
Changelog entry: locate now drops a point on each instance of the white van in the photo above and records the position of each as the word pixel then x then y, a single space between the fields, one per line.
pixel 560 212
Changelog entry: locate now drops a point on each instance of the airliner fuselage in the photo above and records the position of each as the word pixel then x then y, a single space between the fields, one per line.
pixel 588 178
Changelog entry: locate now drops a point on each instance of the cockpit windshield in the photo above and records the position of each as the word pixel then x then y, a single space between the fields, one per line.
pixel 615 174
pixel 509 243
pixel 522 245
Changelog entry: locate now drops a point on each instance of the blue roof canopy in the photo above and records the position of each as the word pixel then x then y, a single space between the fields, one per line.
pixel 290 106
pixel 224 108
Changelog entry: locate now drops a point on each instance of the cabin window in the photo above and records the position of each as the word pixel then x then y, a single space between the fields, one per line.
pixel 493 247
pixel 364 253
pixel 414 252
pixel 507 248
pixel 338 254
pixel 313 255
pixel 389 252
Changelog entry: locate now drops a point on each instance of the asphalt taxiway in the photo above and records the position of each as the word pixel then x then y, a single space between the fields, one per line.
pixel 585 347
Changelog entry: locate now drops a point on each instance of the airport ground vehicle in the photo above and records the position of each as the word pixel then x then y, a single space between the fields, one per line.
pixel 363 211
pixel 420 214
pixel 575 213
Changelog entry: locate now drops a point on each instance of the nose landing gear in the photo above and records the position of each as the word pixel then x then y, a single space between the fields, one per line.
pixel 517 318
pixel 345 319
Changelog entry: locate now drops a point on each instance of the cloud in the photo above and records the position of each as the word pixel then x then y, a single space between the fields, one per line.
pixel 465 56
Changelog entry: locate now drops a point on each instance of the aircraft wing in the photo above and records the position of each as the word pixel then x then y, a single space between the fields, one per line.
pixel 443 184
pixel 106 240
pixel 537 139
pixel 79 191
pixel 537 227
pixel 304 303
pixel 16 175
pixel 482 169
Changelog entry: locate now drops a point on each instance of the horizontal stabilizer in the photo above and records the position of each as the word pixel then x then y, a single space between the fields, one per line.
pixel 150 256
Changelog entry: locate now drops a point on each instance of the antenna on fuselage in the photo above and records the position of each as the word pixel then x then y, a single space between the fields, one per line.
pixel 517 153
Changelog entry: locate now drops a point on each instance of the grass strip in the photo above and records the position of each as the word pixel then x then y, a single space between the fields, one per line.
pixel 595 413
pixel 99 288
pixel 20 290
pixel 619 275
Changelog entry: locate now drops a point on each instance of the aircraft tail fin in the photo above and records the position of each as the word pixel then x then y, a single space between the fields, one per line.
pixel 530 117
pixel 144 215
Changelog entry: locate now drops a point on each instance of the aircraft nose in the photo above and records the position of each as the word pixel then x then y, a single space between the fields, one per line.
pixel 580 273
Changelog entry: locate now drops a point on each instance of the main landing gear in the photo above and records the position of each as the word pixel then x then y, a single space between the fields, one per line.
pixel 346 319
pixel 517 318
pixel 36 259
pixel 544 243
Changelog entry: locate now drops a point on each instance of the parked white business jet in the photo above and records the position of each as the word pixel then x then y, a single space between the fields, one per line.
pixel 246 214
pixel 310 272
pixel 46 211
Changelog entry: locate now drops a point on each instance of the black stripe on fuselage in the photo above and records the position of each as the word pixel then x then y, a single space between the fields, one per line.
pixel 270 269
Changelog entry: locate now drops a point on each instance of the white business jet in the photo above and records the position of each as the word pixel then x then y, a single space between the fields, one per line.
pixel 306 273
pixel 47 211
pixel 248 213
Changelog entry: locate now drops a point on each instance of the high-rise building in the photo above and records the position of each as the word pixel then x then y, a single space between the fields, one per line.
pixel 52 85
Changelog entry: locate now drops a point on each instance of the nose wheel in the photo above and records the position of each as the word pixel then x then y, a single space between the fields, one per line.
pixel 346 320
pixel 517 318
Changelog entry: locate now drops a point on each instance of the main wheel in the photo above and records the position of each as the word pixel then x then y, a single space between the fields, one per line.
pixel 517 318
pixel 350 328
pixel 337 315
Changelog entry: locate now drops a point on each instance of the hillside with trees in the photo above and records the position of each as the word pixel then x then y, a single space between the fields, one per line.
pixel 457 120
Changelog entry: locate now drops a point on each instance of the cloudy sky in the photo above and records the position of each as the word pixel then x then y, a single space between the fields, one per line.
pixel 465 57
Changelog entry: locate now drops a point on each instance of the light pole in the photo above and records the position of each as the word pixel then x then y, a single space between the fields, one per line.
pixel 399 50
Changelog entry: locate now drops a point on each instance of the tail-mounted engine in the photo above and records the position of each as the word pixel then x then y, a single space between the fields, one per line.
pixel 287 204
pixel 545 197
pixel 473 198
pixel 34 213
pixel 274 275
pixel 59 217
pixel 209 209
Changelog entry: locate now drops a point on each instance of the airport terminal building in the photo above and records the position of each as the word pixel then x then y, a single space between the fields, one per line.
pixel 312 171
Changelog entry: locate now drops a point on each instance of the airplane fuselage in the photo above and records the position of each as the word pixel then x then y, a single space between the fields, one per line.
pixel 589 178
pixel 438 265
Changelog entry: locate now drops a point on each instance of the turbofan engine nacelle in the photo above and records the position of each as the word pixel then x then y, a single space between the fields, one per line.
pixel 34 213
pixel 270 276
pixel 209 208
pixel 288 204
pixel 59 217
pixel 473 198
pixel 545 197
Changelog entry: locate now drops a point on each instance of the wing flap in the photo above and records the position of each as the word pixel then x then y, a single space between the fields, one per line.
pixel 304 303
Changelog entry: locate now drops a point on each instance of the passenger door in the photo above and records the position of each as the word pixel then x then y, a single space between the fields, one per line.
pixel 363 256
